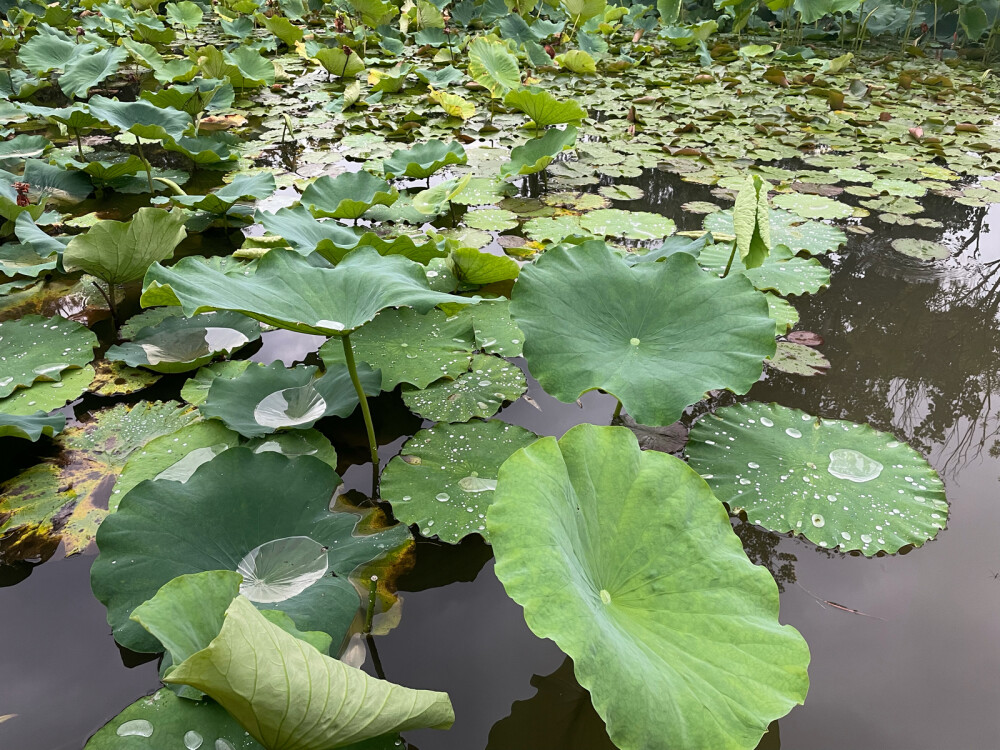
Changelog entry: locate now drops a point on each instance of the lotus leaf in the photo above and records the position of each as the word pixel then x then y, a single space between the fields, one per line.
pixel 538 153
pixel 920 249
pixel 453 104
pixel 623 192
pixel 813 206
pixel 45 52
pixel 797 359
pixel 583 10
pixel 141 118
pixel 474 267
pixel 288 292
pixel 195 390
pixel 491 219
pixel 657 335
pixel 44 395
pixel 493 66
pixel 248 69
pixel 121 251
pixel 785 316
pixel 348 195
pixel 21 259
pixel 482 191
pixel 787 229
pixel 37 348
pixel 496 332
pixel 86 71
pixel 752 223
pixel 31 426
pixel 408 347
pixel 478 393
pixel 116 379
pixel 674 633
pixel 577 60
pixel 339 63
pixel 219 202
pixel 423 160
pixel 782 272
pixel 543 109
pixel 225 518
pixel 633 225
pixel 266 398
pixel 305 233
pixel 836 483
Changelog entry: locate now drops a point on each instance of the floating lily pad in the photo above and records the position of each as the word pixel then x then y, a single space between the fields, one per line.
pixel 658 335
pixel 553 230
pixel 920 249
pixel 621 192
pixel 47 396
pixel 633 225
pixel 625 559
pixel 37 348
pixel 480 392
pixel 787 229
pixel 836 483
pixel 798 359
pixel 495 330
pixel 225 518
pixel 813 206
pixel 115 379
pixel 478 268
pixel 701 207
pixel 784 314
pixel 266 398
pixel 482 191
pixel 443 480
pixel 491 219
pixel 31 426
pixel 782 272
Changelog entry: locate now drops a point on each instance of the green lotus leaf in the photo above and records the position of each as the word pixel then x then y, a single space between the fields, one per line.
pixel 348 195
pixel 65 497
pixel 288 292
pixel 55 182
pixel 250 651
pixel 121 251
pixel 305 233
pixel 248 68
pixel 103 173
pixel 577 60
pixel 543 109
pixel 474 267
pixel 444 479
pixel 583 10
pixel 787 229
pixel 920 249
pixel 493 66
pixel 798 359
pixel 183 344
pixel 21 147
pixel 751 221
pixel 675 633
pixel 538 153
pixel 204 150
pixel 423 160
pixel 670 246
pixel 491 219
pixel 37 348
pixel 633 225
pixel 483 191
pixel 297 443
pixel 195 390
pixel 266 398
pixel 657 335
pixel 201 95
pixel 242 188
pixel 184 13
pixel 495 329
pixel 84 72
pixel 31 426
pixel 813 206
pixel 225 518
pixel 782 272
pixel 781 311
pixel 46 51
pixel 375 13
pixel 21 259
pixel 337 62
pixel 117 379
pixel 140 118
pixel 480 392
pixel 623 192
pixel 838 484
pixel 545 229
pixel 408 347
pixel 440 78
pixel 44 395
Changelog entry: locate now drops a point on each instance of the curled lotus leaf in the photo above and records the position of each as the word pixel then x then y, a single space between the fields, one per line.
pixel 424 159
pixel 31 426
pixel 543 109
pixel 182 344
pixel 141 118
pixel 838 484
pixel 225 518
pixel 493 66
pixel 46 395
pixel 538 153
pixel 289 292
pixel 37 348
pixel 243 187
pixel 674 632
pixel 656 335
pixel 348 195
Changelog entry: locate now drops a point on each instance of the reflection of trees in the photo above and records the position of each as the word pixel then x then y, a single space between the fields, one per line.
pixel 761 547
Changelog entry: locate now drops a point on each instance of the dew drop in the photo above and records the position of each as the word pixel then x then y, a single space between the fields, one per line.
pixel 193 740
pixel 442 497
pixel 818 520
pixel 135 728
pixel 766 422
pixel 792 432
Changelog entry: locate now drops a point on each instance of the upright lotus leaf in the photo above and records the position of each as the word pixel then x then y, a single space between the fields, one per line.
pixel 66 497
pixel 577 61
pixel 37 348
pixel 182 344
pixel 313 702
pixel 543 109
pixel 243 187
pixel 538 153
pixel 752 223
pixel 480 392
pixel 423 160
pixel 266 398
pixel 452 104
pixel 141 118
pixel 408 347
pixel 85 72
pixel 583 10
pixel 300 229
pixel 289 292
pixel 225 518
pixel 782 272
pixel 838 484
pixel 657 335
pixel 121 251
pixel 31 426
pixel 787 229
pixel 337 62
pixel 348 195
pixel 627 561
pixel 47 51
pixel 444 479
pixel 248 68
pixel 492 65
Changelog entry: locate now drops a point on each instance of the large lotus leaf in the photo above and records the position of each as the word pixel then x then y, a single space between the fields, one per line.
pixel 248 68
pixel 87 71
pixel 225 518
pixel 181 344
pixel 121 251
pixel 66 497
pixel 838 484
pixel 45 395
pixel 787 229
pixel 627 561
pixel 47 51
pixel 31 426
pixel 657 335
pixel 266 398
pixel 582 10
pixel 304 232
pixel 313 702
pixel 493 66
pixel 423 160
pixel 444 478
pixel 289 292
pixel 480 392
pixel 538 153
pixel 782 271
pixel 37 348
pixel 409 348
pixel 348 195
pixel 633 225
pixel 339 63
pixel 195 390
pixel 140 118
pixel 243 187
pixel 543 108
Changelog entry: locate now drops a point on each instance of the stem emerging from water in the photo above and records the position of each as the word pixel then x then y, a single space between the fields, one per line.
pixel 729 265
pixel 618 412
pixel 352 368
pixel 149 171
pixel 372 595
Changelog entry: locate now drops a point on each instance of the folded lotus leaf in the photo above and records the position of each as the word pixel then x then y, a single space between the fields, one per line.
pixel 423 160
pixel 544 109
pixel 348 195
pixel 31 426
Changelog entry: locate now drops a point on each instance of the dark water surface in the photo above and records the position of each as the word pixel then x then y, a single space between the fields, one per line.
pixel 915 350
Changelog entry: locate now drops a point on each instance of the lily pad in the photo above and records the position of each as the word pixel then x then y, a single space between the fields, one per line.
pixel 813 206
pixel 838 484
pixel 116 379
pixel 633 225
pixel 31 426
pixel 538 153
pixel 225 518
pixel 622 192
pixel 920 249
pixel 798 359
pixel 47 396
pixel 348 195
pixel 491 219
pixel 480 392
pixel 182 344
pixel 787 229
pixel 195 390
pixel 657 335
pixel 782 272
pixel 784 314
pixel 37 348
pixel 625 559
pixel 495 329
pixel 444 478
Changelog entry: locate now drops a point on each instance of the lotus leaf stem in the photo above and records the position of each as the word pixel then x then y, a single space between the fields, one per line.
pixel 145 163
pixel 729 265
pixel 174 187
pixel 372 596
pixel 352 368
pixel 618 412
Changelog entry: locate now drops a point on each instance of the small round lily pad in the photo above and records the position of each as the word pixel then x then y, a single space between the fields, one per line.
pixel 920 249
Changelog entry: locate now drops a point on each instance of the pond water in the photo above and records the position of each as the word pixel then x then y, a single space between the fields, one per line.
pixel 904 650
